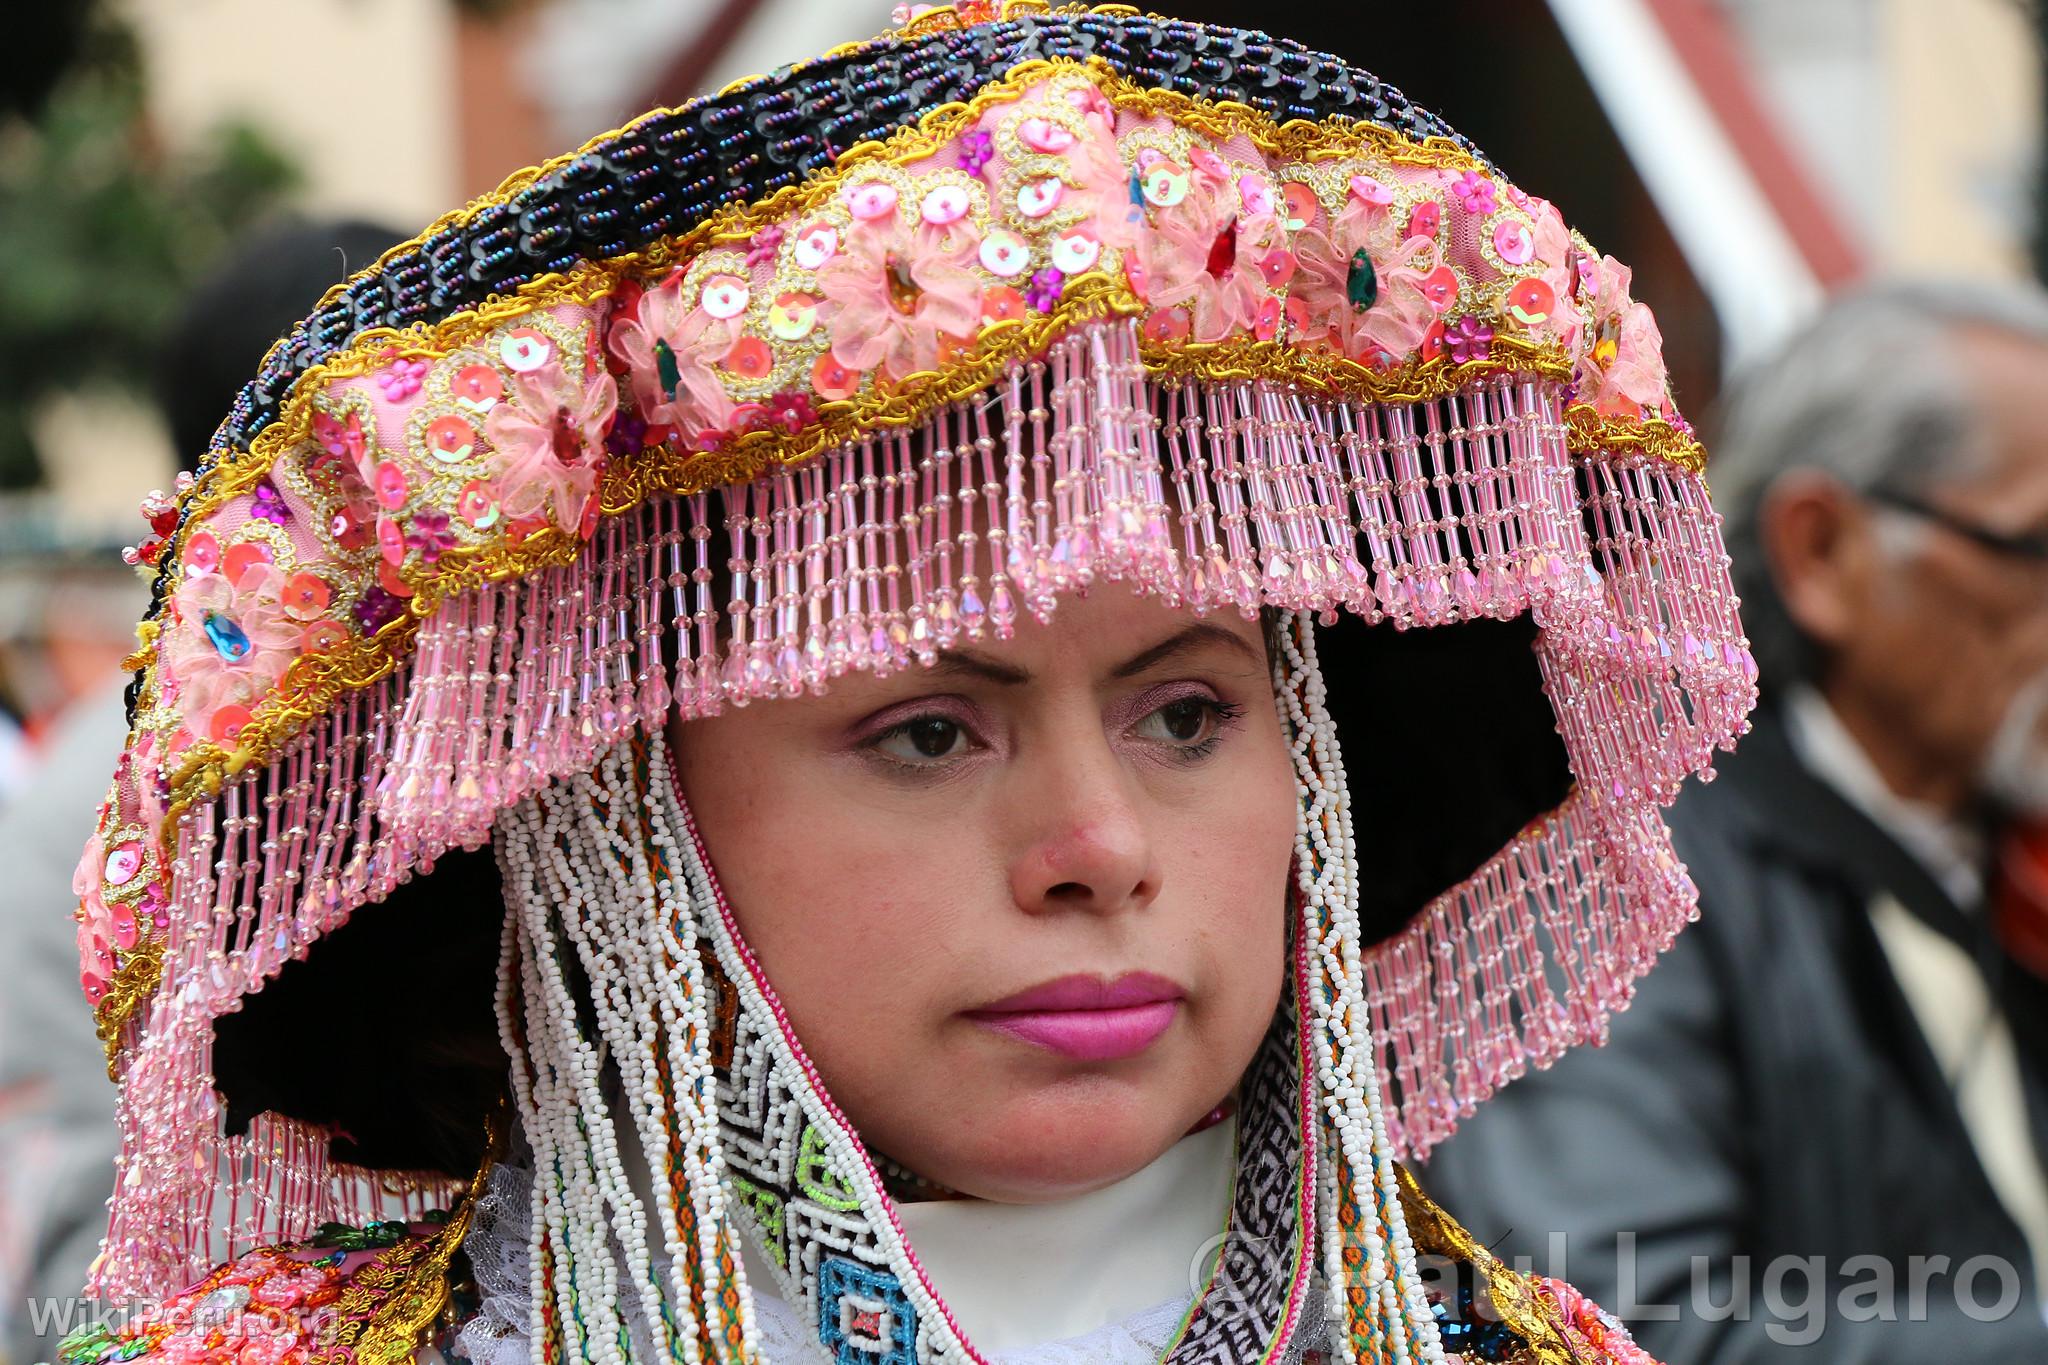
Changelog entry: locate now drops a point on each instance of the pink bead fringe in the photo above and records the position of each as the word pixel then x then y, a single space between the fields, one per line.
pixel 1081 466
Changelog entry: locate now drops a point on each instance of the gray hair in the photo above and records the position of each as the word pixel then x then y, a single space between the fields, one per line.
pixel 1870 393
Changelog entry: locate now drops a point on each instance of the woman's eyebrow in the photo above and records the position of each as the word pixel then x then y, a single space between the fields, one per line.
pixel 974 663
pixel 1194 637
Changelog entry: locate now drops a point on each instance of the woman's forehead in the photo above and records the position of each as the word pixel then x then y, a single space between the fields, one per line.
pixel 1113 631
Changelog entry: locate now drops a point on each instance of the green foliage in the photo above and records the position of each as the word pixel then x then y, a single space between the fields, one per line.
pixel 102 232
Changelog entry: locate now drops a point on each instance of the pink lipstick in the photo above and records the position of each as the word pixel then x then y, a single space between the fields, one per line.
pixel 1086 1018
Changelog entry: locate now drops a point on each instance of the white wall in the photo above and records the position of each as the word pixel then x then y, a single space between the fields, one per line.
pixel 1922 118
pixel 361 92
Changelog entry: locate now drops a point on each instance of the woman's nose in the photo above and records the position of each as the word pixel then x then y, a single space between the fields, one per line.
pixel 1086 843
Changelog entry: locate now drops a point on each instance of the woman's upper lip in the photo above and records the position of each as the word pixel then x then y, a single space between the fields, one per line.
pixel 1087 993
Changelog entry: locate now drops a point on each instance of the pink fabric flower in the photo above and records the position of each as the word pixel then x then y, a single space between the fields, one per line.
pixel 1392 328
pixel 895 295
pixel 682 390
pixel 1469 339
pixel 550 441
pixel 791 410
pixel 339 437
pixel 230 642
pixel 429 534
pixel 1105 187
pixel 765 243
pixel 1203 253
pixel 1621 367
pixel 401 379
pixel 95 919
pixel 1553 243
pixel 1475 194
pixel 977 149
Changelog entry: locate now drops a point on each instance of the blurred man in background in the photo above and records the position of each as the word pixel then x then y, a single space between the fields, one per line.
pixel 1823 1124
pixel 57 1134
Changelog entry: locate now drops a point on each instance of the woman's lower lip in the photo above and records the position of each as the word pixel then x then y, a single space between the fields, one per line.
pixel 1087 1035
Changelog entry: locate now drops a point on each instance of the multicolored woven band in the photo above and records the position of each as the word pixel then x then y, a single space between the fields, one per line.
pixel 866 358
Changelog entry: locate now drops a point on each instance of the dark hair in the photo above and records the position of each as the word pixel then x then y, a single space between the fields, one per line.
pixel 386 1032
pixel 271 278
pixel 1450 748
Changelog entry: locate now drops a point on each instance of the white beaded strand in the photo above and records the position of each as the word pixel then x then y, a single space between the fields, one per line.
pixel 569 1122
pixel 692 905
pixel 1347 1076
pixel 579 879
pixel 618 909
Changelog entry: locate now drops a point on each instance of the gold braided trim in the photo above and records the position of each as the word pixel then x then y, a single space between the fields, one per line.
pixel 312 683
pixel 949 19
pixel 735 225
pixel 1086 298
pixel 134 982
pixel 403 1306
pixel 1527 1313
pixel 1590 433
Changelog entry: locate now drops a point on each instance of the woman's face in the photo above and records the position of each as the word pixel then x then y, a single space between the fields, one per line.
pixel 1025 909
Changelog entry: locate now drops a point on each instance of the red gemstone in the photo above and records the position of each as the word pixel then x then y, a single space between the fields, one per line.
pixel 563 438
pixel 1223 251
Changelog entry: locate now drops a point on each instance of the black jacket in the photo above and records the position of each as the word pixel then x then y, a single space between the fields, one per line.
pixel 1769 1098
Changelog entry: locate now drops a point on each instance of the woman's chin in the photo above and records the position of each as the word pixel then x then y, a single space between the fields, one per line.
pixel 1058 1142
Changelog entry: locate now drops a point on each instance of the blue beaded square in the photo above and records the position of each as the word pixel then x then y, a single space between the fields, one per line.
pixel 863 1318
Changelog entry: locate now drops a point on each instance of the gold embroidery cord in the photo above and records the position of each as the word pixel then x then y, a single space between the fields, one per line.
pixel 414 1299
pixel 1526 1312
pixel 736 225
pixel 313 681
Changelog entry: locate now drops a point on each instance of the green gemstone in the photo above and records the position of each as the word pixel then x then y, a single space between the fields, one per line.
pixel 666 370
pixel 1363 283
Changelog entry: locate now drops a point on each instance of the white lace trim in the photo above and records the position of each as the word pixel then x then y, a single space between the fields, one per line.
pixel 498 1246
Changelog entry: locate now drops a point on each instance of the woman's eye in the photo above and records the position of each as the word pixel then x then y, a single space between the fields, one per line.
pixel 924 740
pixel 1190 723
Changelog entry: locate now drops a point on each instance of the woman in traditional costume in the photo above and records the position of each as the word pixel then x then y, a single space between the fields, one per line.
pixel 736 757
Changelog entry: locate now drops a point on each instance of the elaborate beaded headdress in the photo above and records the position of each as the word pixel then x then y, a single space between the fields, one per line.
pixel 829 372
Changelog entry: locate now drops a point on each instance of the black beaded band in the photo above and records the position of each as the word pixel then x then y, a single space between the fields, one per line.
pixel 674 169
